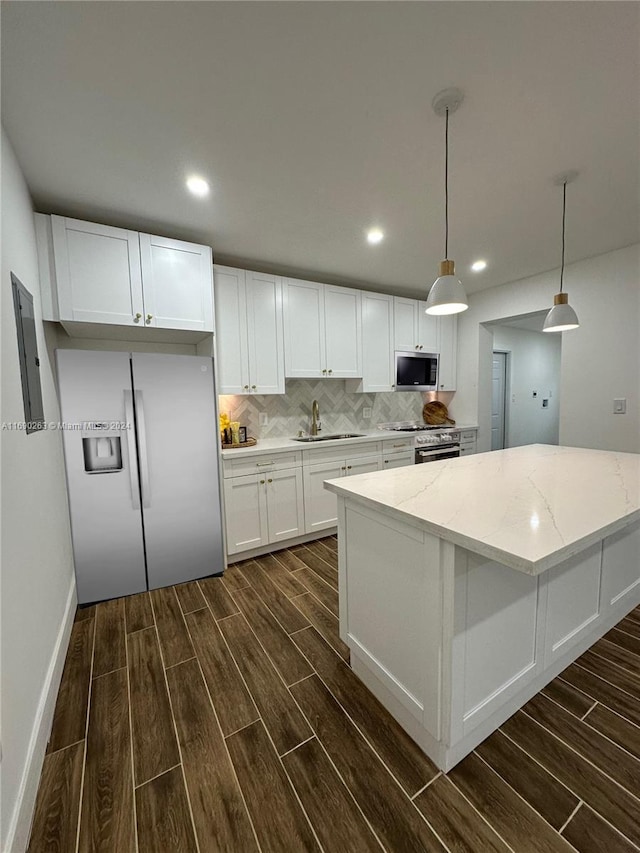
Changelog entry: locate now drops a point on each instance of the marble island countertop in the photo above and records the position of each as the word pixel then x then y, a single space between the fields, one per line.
pixel 527 507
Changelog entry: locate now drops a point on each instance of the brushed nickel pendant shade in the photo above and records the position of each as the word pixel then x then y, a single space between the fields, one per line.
pixel 562 317
pixel 447 295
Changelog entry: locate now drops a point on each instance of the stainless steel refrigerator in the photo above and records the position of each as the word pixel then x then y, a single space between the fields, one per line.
pixel 140 444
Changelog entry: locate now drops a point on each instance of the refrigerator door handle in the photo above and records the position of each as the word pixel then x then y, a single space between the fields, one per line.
pixel 142 446
pixel 131 444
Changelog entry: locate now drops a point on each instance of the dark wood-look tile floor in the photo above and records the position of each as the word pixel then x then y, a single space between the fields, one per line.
pixel 222 715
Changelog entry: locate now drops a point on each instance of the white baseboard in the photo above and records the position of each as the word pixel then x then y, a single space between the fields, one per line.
pixel 20 823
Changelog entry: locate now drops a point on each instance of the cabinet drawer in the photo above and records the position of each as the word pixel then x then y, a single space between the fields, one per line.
pixel 468 435
pixel 397 445
pixel 340 451
pixel 467 449
pixel 256 464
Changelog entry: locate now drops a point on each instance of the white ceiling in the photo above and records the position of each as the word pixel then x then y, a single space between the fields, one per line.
pixel 312 122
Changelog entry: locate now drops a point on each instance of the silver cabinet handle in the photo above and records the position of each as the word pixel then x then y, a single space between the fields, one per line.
pixel 330 372
pixel 262 482
pixel 264 464
pixel 142 444
pixel 270 480
pixel 348 467
pixel 131 445
pixel 399 445
pixel 245 387
pixel 137 317
pixel 324 371
pixel 253 387
pixel 149 318
pixel 343 468
pixel 386 461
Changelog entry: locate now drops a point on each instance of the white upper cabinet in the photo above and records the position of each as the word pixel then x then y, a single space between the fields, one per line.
pixel 343 332
pixel 323 330
pixel 97 270
pixel 413 329
pixel 377 344
pixel 177 284
pixel 265 333
pixel 428 326
pixel 249 332
pixel 447 347
pixel 93 273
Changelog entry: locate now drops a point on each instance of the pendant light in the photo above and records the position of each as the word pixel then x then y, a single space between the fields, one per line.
pixel 447 294
pixel 562 317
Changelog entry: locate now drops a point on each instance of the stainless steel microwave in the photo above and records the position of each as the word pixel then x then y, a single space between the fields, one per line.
pixel 416 371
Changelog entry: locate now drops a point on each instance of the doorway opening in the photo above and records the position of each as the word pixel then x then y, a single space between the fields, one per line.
pixel 525 382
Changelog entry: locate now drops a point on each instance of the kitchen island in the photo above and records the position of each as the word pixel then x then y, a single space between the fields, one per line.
pixel 467 585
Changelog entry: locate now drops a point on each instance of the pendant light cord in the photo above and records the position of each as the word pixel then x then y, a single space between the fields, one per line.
pixel 446 185
pixel 564 212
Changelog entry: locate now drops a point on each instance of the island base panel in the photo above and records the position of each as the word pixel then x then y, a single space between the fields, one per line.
pixel 453 643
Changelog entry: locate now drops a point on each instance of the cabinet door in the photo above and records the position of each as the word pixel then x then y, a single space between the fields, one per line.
pixel 320 506
pixel 343 330
pixel 245 512
pixel 177 283
pixel 231 331
pixel 285 504
pixel 264 333
pixel 447 347
pixel 98 272
pixel 377 342
pixel 404 324
pixel 398 460
pixel 304 329
pixel 427 330
pixel 362 465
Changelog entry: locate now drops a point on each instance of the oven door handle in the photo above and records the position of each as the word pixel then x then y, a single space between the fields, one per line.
pixel 434 451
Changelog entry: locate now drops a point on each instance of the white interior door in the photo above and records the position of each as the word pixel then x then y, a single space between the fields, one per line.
pixel 498 390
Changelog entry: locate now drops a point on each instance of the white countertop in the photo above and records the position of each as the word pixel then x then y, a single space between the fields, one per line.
pixel 527 507
pixel 272 445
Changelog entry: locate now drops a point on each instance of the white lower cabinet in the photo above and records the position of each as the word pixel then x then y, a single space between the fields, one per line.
pixel 263 508
pixel 280 496
pixel 321 506
pixel 398 460
pixel 468 442
pixel 245 511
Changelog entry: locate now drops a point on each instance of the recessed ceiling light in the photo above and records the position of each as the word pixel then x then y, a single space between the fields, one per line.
pixel 478 266
pixel 375 235
pixel 198 186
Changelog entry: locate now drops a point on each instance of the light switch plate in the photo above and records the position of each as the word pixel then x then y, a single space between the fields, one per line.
pixel 263 418
pixel 620 406
pixel 366 413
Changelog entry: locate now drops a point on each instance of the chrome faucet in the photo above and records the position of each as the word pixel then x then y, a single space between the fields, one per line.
pixel 315 418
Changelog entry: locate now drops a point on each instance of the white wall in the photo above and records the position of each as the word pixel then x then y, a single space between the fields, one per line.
pixel 534 365
pixel 38 589
pixel 600 360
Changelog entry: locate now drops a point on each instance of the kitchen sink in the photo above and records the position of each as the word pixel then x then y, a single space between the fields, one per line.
pixel 333 437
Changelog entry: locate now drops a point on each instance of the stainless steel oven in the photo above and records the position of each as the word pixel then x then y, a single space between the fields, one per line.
pixel 434 446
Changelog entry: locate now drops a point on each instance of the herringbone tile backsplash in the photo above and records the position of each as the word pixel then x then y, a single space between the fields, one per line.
pixel 339 411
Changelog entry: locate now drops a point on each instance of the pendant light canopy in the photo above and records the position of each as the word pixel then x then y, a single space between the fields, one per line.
pixel 447 294
pixel 562 317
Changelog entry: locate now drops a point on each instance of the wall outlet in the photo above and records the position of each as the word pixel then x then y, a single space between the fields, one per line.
pixel 545 403
pixel 535 393
pixel 366 413
pixel 620 406
pixel 263 418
